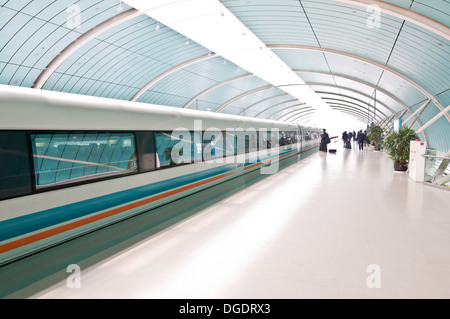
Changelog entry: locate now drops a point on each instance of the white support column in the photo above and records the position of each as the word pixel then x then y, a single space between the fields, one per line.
pixel 388 122
pixel 434 119
pixel 401 115
pixel 420 109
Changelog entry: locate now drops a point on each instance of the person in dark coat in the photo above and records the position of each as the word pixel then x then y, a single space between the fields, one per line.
pixel 324 140
pixel 366 139
pixel 283 139
pixel 344 137
pixel 361 138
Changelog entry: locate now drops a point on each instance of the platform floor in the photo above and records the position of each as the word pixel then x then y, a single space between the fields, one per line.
pixel 310 231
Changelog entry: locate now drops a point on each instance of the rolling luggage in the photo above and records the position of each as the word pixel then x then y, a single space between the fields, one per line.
pixel 332 151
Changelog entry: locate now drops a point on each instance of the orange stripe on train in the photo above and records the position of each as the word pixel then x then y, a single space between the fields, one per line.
pixel 61 229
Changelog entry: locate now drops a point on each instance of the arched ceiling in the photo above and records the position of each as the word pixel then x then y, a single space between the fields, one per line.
pixel 374 60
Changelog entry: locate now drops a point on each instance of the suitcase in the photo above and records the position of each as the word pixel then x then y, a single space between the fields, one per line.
pixel 332 151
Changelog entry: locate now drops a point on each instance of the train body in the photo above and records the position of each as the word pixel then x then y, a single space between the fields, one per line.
pixel 71 164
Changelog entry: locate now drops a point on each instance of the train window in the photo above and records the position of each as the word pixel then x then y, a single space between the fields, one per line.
pixel 15 179
pixel 213 145
pixel 146 149
pixel 65 158
pixel 230 143
pixel 247 141
pixel 288 137
pixel 276 136
pixel 264 140
pixel 197 147
pixel 293 137
pixel 284 139
pixel 308 136
pixel 174 148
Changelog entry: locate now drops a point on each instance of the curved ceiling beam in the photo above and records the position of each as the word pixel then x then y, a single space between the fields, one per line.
pixel 363 118
pixel 359 81
pixel 418 122
pixel 286 108
pixel 308 71
pixel 291 114
pixel 353 98
pixel 306 119
pixel 220 109
pixel 80 42
pixel 405 14
pixel 254 91
pixel 335 105
pixel 354 91
pixel 264 100
pixel 352 111
pixel 303 116
pixel 296 113
pixel 168 72
pixel 359 117
pixel 357 57
pixel 271 107
pixel 355 107
pixel 215 87
pixel 359 107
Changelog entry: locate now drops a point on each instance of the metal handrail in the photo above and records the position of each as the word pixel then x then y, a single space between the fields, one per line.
pixel 432 156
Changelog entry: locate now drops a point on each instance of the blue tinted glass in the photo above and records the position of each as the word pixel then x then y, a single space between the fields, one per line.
pixel 173 148
pixel 213 144
pixel 14 165
pixel 59 158
pixel 230 144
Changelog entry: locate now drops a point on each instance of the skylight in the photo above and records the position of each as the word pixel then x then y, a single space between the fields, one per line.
pixel 212 25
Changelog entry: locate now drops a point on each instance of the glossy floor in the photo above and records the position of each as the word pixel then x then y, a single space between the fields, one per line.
pixel 329 226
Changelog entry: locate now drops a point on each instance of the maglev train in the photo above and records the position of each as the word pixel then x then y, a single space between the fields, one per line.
pixel 70 164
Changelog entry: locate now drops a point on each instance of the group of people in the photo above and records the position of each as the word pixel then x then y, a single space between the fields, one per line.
pixel 360 137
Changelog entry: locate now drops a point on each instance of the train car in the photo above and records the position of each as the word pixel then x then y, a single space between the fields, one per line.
pixel 70 164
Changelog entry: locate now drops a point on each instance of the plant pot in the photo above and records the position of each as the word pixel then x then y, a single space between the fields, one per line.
pixel 400 166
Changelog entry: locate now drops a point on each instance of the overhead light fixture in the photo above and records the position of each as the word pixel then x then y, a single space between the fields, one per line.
pixel 210 24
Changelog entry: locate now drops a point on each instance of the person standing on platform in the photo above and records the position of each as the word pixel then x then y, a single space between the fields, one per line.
pixel 366 139
pixel 344 137
pixel 324 140
pixel 361 139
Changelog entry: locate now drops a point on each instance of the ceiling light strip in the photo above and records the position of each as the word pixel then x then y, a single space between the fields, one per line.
pixel 212 25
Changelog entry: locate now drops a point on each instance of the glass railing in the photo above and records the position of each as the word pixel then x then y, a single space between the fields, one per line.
pixel 437 169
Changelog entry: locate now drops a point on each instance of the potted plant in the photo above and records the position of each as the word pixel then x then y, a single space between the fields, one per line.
pixel 374 134
pixel 397 146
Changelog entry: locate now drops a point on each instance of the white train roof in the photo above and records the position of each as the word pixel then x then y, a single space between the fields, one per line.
pixel 24 108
